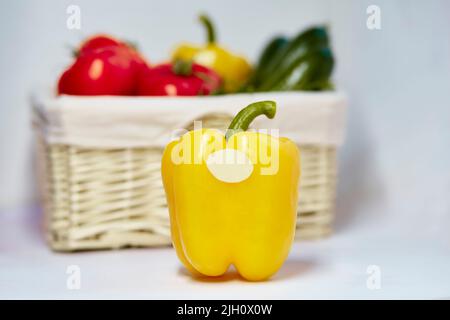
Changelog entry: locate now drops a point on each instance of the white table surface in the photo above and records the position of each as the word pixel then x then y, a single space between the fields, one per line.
pixel 335 268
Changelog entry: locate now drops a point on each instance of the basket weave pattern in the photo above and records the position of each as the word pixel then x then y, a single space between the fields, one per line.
pixel 113 198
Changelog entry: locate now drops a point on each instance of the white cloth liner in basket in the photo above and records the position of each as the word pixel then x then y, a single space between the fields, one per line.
pixel 119 122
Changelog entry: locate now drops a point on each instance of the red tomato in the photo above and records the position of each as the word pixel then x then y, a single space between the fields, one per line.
pixel 163 80
pixel 104 66
pixel 100 41
pixel 110 71
pixel 103 41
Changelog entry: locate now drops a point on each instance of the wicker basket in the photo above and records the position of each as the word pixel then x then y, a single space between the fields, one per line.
pixel 114 198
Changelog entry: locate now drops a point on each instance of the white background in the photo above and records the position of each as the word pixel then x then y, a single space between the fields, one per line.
pixel 394 167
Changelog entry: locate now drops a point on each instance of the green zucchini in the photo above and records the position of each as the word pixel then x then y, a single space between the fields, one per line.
pixel 269 54
pixel 308 72
pixel 297 48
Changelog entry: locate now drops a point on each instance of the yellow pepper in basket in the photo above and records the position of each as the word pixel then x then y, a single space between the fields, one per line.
pixel 234 69
pixel 233 198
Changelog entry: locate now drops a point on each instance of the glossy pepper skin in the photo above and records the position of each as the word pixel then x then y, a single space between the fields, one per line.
pixel 215 224
pixel 181 78
pixel 234 69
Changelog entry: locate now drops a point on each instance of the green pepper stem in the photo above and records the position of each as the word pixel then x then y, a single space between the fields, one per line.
pixel 242 120
pixel 210 30
pixel 182 67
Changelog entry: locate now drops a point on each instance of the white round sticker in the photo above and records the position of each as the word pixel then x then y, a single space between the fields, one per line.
pixel 229 165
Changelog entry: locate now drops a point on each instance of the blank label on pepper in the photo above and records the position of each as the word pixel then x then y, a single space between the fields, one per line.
pixel 229 165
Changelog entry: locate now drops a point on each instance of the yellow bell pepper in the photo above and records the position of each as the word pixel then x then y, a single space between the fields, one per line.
pixel 234 69
pixel 232 199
